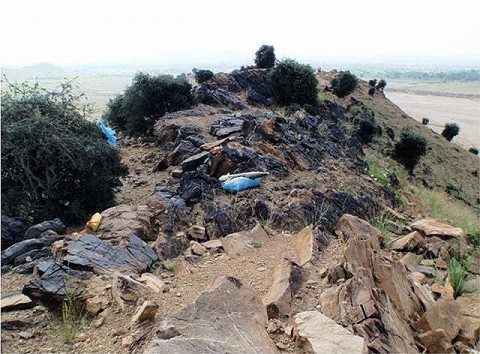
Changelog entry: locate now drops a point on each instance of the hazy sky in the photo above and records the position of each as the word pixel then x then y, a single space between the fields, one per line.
pixel 89 31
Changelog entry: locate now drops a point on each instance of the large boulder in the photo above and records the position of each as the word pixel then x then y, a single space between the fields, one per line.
pixel 55 225
pixel 122 220
pixel 319 334
pixel 229 317
pixel 90 253
pixel 13 230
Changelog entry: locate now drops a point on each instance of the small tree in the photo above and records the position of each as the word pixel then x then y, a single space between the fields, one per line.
pixel 371 91
pixel 410 149
pixel 381 85
pixel 450 131
pixel 367 130
pixel 344 84
pixel 293 83
pixel 146 100
pixel 202 75
pixel 372 82
pixel 55 163
pixel 265 57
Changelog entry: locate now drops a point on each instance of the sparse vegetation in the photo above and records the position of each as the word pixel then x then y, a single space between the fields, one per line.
pixel 202 75
pixel 265 57
pixel 410 149
pixel 376 173
pixel 293 82
pixel 450 131
pixel 146 100
pixel 53 159
pixel 344 84
pixel 438 205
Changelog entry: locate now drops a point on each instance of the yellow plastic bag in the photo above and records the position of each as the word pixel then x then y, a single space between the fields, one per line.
pixel 94 222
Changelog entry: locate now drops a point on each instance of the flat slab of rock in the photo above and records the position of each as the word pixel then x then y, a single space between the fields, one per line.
pixel 408 242
pixel 326 336
pixel 16 302
pixel 229 317
pixel 194 161
pixel 92 254
pixel 286 281
pixel 432 227
pixel 303 243
pixel 12 252
pixel 122 220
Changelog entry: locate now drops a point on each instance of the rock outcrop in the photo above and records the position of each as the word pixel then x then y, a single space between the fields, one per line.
pixel 229 317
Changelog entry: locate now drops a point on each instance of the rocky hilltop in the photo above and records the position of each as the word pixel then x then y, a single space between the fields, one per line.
pixel 319 257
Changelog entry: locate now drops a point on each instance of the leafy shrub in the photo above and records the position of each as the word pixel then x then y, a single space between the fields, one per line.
pixel 147 99
pixel 265 57
pixel 367 130
pixel 202 75
pixel 381 84
pixel 409 149
pixel 372 82
pixel 450 131
pixel 55 163
pixel 371 91
pixel 473 150
pixel 344 84
pixel 116 113
pixel 293 83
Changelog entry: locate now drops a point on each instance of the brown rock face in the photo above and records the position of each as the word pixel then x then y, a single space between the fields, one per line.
pixel 229 317
pixel 470 311
pixel 444 314
pixel 304 243
pixel 286 281
pixel 377 299
pixel 147 311
pixel 436 341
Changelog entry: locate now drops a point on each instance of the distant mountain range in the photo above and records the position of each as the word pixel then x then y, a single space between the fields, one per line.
pixel 36 71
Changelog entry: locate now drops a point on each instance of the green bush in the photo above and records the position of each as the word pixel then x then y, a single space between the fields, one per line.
pixel 55 163
pixel 293 83
pixel 409 149
pixel 265 57
pixel 344 84
pixel 372 82
pixel 367 130
pixel 371 91
pixel 202 75
pixel 381 84
pixel 146 100
pixel 450 131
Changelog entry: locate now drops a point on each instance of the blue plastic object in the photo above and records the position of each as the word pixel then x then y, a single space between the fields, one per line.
pixel 239 184
pixel 109 133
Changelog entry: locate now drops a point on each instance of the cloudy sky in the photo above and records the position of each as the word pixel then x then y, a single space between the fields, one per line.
pixel 115 31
